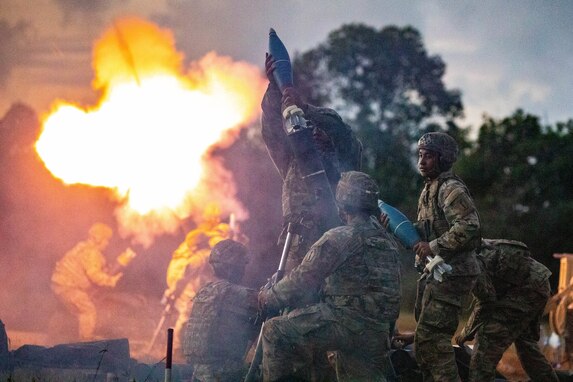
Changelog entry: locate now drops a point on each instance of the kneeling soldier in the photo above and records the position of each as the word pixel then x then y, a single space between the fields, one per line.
pixel 221 325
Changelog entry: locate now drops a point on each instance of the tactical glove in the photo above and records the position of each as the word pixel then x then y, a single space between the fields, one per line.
pixel 437 267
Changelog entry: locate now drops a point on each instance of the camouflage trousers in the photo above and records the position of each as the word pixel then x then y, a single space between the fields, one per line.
pixel 79 303
pixel 440 308
pixel 503 326
pixel 219 371
pixel 290 341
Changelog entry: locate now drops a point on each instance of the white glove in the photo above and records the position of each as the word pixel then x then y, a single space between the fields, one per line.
pixel 437 267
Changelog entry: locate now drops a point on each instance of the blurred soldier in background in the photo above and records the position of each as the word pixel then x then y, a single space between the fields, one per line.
pixel 449 225
pixel 338 148
pixel 81 268
pixel 352 273
pixel 509 298
pixel 189 270
pixel 222 322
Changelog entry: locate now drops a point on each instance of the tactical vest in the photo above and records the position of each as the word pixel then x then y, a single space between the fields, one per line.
pixel 219 326
pixel 368 279
pixel 432 222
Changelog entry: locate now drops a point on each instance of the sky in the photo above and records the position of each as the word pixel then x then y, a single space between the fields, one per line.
pixel 502 55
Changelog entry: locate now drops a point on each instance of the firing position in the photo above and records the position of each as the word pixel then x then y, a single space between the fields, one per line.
pixel 338 148
pixel 352 275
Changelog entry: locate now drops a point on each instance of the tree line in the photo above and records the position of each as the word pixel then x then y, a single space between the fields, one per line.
pixel 391 91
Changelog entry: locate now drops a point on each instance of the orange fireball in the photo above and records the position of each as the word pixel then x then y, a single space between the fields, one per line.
pixel 148 137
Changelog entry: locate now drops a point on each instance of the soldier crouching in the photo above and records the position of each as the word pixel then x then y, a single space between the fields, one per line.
pixel 221 324
pixel 509 299
pixel 353 273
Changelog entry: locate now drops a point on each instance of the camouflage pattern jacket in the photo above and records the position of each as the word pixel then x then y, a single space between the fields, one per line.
pixel 221 323
pixel 81 267
pixel 449 221
pixel 354 269
pixel 510 276
pixel 344 156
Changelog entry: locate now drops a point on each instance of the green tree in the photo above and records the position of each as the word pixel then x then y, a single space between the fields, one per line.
pixel 390 90
pixel 522 179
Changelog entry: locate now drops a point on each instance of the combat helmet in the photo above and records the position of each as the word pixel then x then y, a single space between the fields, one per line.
pixel 100 232
pixel 357 190
pixel 228 259
pixel 444 145
pixel 211 214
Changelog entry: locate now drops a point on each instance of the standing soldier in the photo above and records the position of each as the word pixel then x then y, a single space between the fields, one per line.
pixel 449 225
pixel 509 298
pixel 339 150
pixel 79 269
pixel 352 273
pixel 221 324
pixel 189 262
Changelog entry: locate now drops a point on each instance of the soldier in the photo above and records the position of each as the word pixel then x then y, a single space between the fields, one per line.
pixel 221 324
pixel 190 262
pixel 449 225
pixel 76 272
pixel 352 274
pixel 509 298
pixel 337 145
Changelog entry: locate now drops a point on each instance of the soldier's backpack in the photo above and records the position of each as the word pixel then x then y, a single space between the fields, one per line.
pixel 218 326
pixel 510 261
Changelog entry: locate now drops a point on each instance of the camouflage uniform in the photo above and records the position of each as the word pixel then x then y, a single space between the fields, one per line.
pixel 189 262
pixel 353 274
pixel 76 272
pixel 219 330
pixel 509 296
pixel 297 203
pixel 448 220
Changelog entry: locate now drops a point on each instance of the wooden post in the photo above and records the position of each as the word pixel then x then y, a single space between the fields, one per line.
pixel 169 356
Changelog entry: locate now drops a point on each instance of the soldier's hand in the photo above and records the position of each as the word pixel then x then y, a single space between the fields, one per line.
pixel 292 97
pixel 460 339
pixel 385 220
pixel 422 249
pixel 269 67
pixel 167 296
pixel 115 278
pixel 265 310
pixel 272 281
pixel 401 340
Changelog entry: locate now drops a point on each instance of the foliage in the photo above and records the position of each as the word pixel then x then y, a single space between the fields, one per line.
pixel 389 88
pixel 391 91
pixel 522 179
